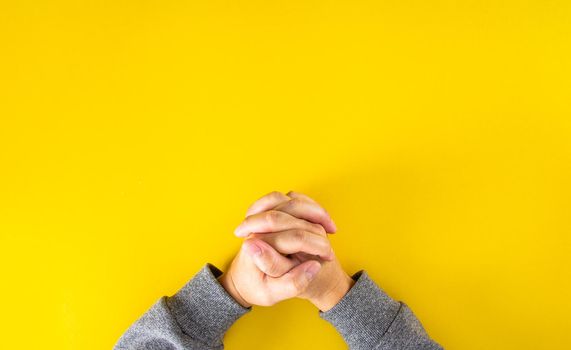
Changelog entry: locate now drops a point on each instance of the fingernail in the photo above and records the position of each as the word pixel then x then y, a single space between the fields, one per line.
pixel 312 270
pixel 252 249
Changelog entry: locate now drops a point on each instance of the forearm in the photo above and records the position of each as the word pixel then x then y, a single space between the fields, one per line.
pixel 196 317
pixel 368 318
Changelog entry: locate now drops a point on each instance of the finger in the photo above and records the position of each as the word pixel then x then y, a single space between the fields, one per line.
pixel 274 221
pixel 267 202
pixel 304 197
pixel 295 241
pixel 294 282
pixel 299 195
pixel 301 206
pixel 310 211
pixel 266 258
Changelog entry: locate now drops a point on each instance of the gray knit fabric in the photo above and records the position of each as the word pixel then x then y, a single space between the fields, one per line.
pixel 367 318
pixel 196 317
pixel 199 314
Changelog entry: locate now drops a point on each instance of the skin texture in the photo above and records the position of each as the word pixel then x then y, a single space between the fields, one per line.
pixel 286 254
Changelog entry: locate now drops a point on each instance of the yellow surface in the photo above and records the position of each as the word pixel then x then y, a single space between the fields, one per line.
pixel 134 135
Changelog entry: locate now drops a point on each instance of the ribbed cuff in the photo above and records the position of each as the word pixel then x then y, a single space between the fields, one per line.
pixel 203 308
pixel 364 314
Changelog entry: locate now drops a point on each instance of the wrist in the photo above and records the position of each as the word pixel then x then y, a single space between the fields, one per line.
pixel 227 283
pixel 327 300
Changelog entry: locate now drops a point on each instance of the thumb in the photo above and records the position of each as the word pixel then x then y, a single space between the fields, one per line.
pixel 293 282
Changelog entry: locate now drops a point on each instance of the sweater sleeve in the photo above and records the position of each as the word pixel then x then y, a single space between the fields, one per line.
pixel 196 317
pixel 367 318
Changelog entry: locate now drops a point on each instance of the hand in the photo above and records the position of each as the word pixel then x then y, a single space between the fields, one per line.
pixel 260 275
pixel 295 224
pixel 249 285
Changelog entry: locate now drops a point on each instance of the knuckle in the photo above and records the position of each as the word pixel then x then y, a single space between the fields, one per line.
pixel 326 244
pixel 325 247
pixel 297 286
pixel 273 266
pixel 294 202
pixel 299 236
pixel 272 217
pixel 274 195
pixel 318 229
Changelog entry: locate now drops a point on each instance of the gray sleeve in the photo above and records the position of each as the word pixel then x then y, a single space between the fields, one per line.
pixel 196 317
pixel 367 318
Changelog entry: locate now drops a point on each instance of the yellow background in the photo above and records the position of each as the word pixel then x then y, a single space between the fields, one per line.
pixel 134 135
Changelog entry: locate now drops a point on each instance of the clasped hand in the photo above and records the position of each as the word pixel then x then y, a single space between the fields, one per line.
pixel 285 254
